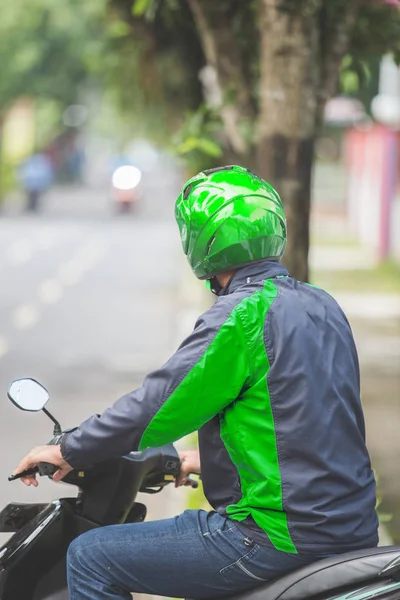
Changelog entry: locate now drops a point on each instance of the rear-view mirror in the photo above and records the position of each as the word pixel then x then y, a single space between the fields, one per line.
pixel 28 394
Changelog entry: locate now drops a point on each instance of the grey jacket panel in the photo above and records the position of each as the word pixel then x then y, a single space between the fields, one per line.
pixel 119 429
pixel 328 485
pixel 314 385
pixel 219 475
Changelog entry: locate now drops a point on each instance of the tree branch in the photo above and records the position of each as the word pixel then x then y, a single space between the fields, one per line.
pixel 205 33
pixel 222 53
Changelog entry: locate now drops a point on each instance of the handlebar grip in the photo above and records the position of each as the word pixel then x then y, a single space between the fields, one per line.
pixel 46 468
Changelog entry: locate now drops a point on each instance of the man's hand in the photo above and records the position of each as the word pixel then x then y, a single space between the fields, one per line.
pixel 50 454
pixel 190 460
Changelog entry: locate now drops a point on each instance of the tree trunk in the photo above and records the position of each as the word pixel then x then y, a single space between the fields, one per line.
pixel 287 120
pixel 302 44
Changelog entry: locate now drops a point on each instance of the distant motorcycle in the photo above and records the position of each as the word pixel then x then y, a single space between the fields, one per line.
pixel 32 562
pixel 125 187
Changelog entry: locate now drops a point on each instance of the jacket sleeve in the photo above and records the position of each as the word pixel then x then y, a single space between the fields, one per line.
pixel 207 372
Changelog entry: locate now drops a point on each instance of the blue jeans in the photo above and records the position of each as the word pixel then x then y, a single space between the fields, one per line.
pixel 194 555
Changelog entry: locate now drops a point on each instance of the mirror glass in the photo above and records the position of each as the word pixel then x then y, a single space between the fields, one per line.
pixel 28 394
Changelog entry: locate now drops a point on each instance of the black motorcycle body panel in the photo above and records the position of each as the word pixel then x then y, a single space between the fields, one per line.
pixel 15 515
pixel 32 562
pixel 37 547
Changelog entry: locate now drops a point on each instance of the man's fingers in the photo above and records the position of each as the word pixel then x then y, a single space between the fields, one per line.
pixel 61 473
pixel 58 475
pixel 26 463
pixel 180 483
pixel 50 454
pixel 30 480
pixel 181 479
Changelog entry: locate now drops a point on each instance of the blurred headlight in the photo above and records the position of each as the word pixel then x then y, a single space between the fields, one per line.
pixel 126 177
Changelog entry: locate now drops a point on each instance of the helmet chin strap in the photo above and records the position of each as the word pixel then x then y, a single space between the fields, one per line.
pixel 214 286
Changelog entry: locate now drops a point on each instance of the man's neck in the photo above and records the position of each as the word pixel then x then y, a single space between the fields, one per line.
pixel 224 278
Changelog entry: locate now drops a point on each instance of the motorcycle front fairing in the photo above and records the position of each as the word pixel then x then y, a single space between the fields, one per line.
pixel 15 515
pixel 37 547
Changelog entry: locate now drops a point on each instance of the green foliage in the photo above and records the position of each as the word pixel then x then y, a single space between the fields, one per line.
pixel 356 73
pixel 48 116
pixel 140 7
pixel 376 32
pixel 154 72
pixel 43 49
pixel 7 179
pixel 146 55
pixel 196 141
pixel 148 8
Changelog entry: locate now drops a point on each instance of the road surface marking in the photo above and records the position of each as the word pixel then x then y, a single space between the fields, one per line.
pixel 25 316
pixel 50 291
pixel 4 346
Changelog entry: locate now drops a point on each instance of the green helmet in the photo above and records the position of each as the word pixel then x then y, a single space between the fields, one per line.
pixel 229 217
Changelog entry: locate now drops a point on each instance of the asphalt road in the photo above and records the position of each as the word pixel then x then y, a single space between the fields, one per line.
pixel 89 303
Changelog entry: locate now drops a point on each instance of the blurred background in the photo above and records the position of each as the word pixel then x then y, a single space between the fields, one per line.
pixel 106 107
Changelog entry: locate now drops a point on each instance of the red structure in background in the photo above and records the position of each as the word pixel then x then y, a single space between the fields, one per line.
pixel 372 160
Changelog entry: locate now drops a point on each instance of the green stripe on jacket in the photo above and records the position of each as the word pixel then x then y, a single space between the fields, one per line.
pixel 231 379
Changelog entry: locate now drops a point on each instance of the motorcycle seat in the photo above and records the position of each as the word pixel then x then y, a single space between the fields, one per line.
pixel 326 575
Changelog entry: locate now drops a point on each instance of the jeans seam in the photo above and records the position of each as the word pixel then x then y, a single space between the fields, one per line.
pixel 254 550
pixel 248 572
pixel 219 530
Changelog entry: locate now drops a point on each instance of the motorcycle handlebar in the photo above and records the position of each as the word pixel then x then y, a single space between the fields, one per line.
pixel 47 469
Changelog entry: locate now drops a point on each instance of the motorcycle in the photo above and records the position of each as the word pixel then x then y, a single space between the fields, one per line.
pixel 32 562
pixel 124 188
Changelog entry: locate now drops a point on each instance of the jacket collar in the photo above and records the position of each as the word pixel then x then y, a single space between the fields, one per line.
pixel 265 269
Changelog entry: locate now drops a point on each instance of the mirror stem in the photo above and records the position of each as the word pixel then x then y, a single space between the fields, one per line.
pixel 57 427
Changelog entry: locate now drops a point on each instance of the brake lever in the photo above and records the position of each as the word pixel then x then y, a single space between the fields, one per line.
pixel 25 473
pixel 192 482
pixel 43 469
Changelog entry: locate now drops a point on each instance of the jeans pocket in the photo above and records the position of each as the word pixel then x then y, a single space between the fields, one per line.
pixel 241 572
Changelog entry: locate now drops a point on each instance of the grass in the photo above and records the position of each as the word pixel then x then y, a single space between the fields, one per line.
pixel 335 241
pixel 384 279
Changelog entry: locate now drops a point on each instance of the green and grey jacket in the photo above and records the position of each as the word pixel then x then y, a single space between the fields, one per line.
pixel 270 378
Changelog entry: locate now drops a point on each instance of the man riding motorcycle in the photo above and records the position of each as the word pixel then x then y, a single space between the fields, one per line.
pixel 270 379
